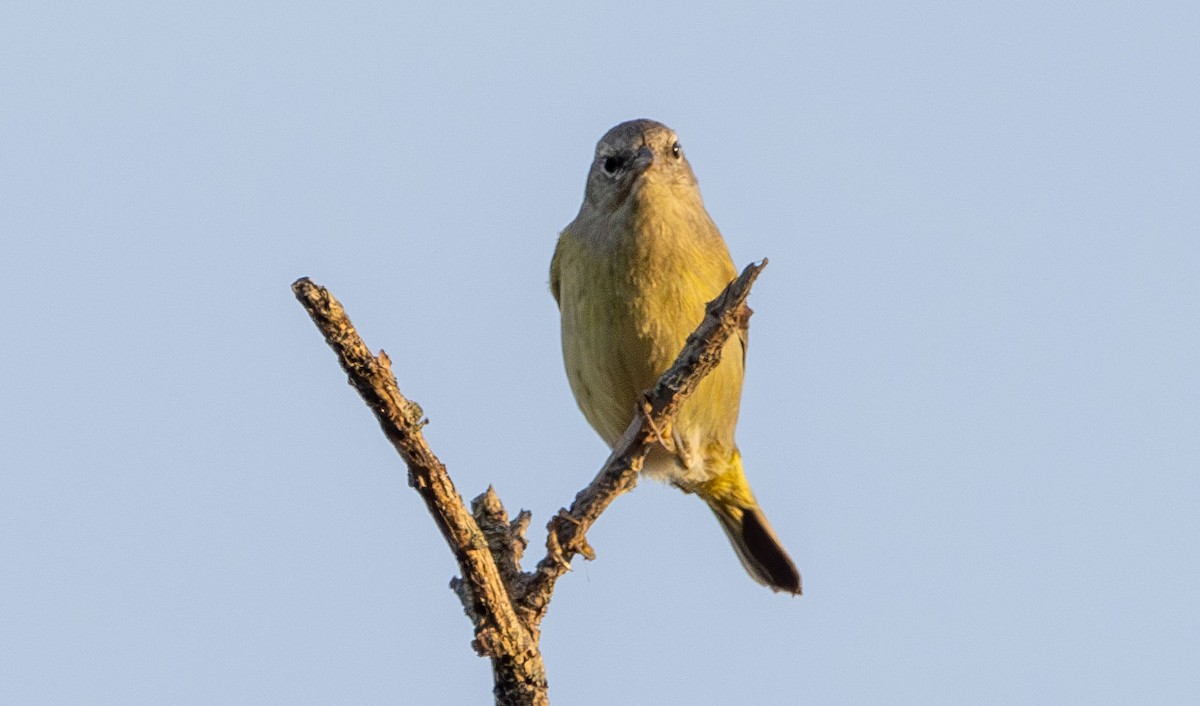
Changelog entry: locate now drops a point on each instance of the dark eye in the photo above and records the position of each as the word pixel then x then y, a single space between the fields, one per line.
pixel 612 163
pixel 676 151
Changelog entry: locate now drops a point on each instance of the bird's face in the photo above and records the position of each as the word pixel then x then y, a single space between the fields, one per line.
pixel 634 158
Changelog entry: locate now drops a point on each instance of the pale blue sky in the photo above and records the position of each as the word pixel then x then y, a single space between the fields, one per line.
pixel 972 407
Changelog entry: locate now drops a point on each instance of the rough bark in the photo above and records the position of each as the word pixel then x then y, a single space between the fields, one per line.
pixel 505 604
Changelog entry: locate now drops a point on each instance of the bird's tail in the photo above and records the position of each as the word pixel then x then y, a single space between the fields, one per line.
pixel 728 496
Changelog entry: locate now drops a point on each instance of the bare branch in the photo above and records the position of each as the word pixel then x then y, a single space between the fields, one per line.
pixel 516 660
pixel 506 605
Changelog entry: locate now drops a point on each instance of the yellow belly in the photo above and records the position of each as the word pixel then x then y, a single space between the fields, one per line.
pixel 625 317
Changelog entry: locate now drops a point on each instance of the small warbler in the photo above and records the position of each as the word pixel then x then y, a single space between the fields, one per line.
pixel 631 275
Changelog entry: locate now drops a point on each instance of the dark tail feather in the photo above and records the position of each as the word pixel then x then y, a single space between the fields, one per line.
pixel 758 548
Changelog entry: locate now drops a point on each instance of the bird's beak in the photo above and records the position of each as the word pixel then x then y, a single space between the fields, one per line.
pixel 642 159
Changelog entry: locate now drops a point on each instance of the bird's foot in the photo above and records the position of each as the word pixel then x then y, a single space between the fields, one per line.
pixel 665 435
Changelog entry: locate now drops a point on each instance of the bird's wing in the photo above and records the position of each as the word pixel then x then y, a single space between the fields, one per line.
pixel 555 277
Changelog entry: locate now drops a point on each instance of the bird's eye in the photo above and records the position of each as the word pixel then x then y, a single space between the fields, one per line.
pixel 612 163
pixel 676 151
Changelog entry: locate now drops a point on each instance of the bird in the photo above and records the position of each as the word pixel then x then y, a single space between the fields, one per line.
pixel 632 274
